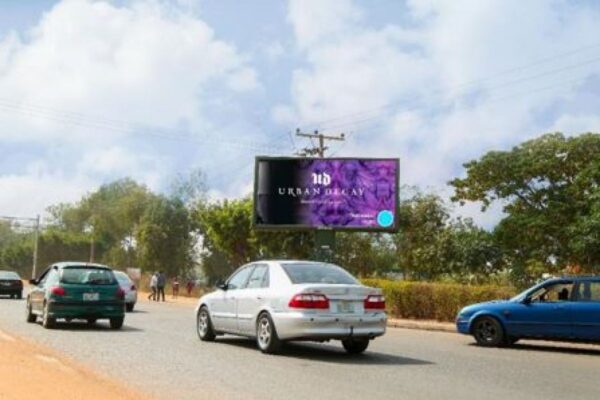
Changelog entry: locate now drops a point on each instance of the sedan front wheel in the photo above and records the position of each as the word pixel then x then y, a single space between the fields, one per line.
pixel 204 326
pixel 488 332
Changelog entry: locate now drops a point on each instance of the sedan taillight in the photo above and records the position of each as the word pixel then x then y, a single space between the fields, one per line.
pixel 310 301
pixel 132 288
pixel 375 302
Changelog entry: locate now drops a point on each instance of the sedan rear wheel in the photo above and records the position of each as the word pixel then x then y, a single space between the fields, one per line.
pixel 48 322
pixel 355 346
pixel 116 323
pixel 204 325
pixel 488 332
pixel 266 335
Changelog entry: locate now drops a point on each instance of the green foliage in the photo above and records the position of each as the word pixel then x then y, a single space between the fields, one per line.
pixel 434 301
pixel 549 188
pixel 164 240
pixel 229 239
pixel 365 254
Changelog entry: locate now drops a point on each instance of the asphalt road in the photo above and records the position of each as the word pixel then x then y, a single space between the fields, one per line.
pixel 158 352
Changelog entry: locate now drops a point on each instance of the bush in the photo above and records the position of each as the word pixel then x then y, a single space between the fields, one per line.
pixel 438 301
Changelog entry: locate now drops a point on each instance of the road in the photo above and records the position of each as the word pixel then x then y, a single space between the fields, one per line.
pixel 158 352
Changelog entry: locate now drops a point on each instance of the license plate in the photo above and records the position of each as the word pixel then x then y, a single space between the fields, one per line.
pixel 91 297
pixel 345 307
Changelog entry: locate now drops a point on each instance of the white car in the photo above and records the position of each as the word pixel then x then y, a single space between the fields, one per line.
pixel 278 301
pixel 129 288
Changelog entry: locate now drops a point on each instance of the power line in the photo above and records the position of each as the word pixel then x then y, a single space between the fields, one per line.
pixel 358 113
pixel 450 101
pixel 122 127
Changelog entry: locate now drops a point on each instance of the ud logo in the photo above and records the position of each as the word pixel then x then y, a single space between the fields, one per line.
pixel 321 179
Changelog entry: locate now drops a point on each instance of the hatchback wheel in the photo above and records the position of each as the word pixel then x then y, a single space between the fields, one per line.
pixel 204 326
pixel 488 332
pixel 31 317
pixel 266 335
pixel 48 322
pixel 355 346
pixel 129 307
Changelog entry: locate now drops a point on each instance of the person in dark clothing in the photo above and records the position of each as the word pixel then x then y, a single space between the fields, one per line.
pixel 160 287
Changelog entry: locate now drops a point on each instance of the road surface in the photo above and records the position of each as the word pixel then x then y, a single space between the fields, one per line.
pixel 158 352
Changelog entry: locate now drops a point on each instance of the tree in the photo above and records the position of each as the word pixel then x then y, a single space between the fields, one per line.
pixel 163 237
pixel 420 244
pixel 549 189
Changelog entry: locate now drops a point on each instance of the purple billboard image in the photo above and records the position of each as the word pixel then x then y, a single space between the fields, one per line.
pixel 359 194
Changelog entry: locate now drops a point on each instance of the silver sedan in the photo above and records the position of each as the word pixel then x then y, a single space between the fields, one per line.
pixel 278 301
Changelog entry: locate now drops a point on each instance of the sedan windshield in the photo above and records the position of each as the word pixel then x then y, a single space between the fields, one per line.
pixel 87 276
pixel 9 275
pixel 318 273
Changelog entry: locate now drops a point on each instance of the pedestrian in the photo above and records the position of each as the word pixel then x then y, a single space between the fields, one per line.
pixel 160 287
pixel 153 286
pixel 175 285
pixel 190 287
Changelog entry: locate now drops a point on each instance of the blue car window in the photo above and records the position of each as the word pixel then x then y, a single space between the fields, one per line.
pixel 555 292
pixel 588 291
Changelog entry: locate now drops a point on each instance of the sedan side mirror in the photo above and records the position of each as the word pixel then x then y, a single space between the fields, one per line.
pixel 33 282
pixel 527 300
pixel 221 285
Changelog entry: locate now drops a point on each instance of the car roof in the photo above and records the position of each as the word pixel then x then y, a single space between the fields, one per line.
pixel 66 264
pixel 573 278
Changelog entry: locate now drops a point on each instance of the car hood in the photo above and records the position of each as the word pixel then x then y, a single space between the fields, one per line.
pixel 488 305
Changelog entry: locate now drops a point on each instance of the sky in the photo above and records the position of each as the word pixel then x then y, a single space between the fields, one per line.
pixel 93 91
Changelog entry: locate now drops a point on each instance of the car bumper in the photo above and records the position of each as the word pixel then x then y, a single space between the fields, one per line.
pixel 317 327
pixel 10 290
pixel 79 310
pixel 462 326
pixel 131 298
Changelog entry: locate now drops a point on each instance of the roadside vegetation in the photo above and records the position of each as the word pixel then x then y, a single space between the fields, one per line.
pixel 548 187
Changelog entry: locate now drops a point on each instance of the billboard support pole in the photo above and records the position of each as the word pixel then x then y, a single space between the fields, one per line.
pixel 325 245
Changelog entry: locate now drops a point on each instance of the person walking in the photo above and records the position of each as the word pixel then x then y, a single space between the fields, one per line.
pixel 161 282
pixel 190 286
pixel 175 285
pixel 153 286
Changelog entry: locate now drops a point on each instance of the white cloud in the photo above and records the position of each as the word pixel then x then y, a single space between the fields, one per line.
pixel 28 194
pixel 420 64
pixel 85 86
pixel 148 63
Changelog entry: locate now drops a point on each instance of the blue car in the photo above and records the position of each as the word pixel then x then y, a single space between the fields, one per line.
pixel 559 309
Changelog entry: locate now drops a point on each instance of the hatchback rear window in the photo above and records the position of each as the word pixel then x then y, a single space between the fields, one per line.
pixel 9 275
pixel 87 276
pixel 318 273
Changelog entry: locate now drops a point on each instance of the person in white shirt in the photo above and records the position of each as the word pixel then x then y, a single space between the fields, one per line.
pixel 153 286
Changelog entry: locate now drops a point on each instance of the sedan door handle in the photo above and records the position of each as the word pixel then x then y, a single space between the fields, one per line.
pixel 259 298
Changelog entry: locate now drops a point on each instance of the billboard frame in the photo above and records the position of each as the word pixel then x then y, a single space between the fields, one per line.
pixel 306 228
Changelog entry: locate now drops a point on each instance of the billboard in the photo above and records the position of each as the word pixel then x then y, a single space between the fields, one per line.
pixel 326 193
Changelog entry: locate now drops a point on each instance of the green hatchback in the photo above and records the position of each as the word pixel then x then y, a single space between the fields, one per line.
pixel 76 290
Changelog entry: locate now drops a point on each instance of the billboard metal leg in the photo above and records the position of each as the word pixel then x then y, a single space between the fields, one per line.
pixel 325 245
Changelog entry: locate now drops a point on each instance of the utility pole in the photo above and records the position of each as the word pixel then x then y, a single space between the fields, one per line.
pixel 324 238
pixel 320 149
pixel 92 247
pixel 35 246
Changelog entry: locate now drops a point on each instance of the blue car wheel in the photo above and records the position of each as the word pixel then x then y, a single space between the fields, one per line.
pixel 488 332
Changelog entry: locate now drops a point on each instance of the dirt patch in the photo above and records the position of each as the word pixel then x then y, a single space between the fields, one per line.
pixel 30 371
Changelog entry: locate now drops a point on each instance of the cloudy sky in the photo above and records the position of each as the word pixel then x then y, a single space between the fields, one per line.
pixel 91 91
